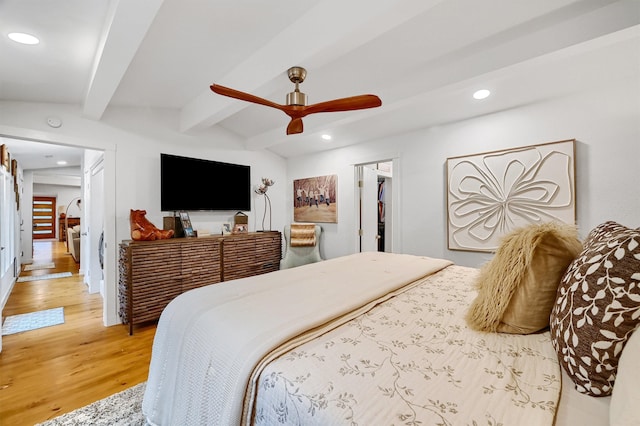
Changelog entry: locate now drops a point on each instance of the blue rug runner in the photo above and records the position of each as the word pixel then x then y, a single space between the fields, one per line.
pixel 44 277
pixel 25 322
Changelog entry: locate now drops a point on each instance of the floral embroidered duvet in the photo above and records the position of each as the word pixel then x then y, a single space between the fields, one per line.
pixel 365 339
pixel 413 361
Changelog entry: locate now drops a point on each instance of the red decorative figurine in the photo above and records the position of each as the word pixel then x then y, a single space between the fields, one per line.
pixel 143 230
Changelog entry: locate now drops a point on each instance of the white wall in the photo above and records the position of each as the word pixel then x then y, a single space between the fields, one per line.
pixel 9 234
pixel 26 235
pixel 8 219
pixel 132 141
pixel 605 123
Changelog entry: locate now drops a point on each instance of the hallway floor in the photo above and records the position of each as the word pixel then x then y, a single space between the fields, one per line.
pixel 50 371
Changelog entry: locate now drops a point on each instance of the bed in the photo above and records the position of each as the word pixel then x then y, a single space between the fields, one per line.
pixel 369 338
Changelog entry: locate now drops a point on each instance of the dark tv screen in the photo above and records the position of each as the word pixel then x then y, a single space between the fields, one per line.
pixel 193 184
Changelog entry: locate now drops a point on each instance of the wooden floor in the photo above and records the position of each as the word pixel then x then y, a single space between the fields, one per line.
pixel 50 371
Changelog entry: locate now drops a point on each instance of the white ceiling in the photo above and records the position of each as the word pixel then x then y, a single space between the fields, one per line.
pixel 424 58
pixel 40 156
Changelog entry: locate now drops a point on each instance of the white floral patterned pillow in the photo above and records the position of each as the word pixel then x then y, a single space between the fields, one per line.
pixel 598 307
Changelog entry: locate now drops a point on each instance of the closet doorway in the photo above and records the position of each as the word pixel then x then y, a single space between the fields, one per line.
pixel 375 195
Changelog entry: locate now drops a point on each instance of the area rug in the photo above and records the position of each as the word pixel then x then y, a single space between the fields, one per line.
pixel 35 266
pixel 33 320
pixel 44 277
pixel 121 409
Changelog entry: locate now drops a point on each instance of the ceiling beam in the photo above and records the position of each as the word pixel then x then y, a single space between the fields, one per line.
pixel 499 59
pixel 124 30
pixel 56 179
pixel 318 37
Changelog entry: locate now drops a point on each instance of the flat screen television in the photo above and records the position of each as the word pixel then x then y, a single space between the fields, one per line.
pixel 193 184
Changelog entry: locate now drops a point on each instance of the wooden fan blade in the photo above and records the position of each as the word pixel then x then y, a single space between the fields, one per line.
pixel 236 94
pixel 296 112
pixel 345 104
pixel 295 126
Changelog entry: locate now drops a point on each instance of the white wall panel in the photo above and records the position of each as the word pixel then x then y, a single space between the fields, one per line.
pixel 605 122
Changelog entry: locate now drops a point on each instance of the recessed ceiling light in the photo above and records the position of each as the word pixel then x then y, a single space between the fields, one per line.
pixel 481 94
pixel 326 137
pixel 23 38
pixel 61 163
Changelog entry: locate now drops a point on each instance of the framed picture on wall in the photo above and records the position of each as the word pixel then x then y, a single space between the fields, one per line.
pixel 492 193
pixel 315 199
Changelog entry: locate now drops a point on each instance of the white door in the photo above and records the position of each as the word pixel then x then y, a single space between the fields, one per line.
pixel 368 209
pixel 96 222
pixel 388 214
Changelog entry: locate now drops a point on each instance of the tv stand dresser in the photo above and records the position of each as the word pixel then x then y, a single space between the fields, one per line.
pixel 153 273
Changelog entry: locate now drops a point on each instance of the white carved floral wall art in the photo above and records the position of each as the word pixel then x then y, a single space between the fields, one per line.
pixel 490 194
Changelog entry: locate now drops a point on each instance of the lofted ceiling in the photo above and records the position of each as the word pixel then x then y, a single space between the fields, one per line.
pixel 423 58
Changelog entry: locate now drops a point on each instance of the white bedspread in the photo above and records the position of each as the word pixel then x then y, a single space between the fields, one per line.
pixel 412 361
pixel 210 340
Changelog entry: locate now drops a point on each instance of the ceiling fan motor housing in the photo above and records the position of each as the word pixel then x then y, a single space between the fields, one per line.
pixel 296 98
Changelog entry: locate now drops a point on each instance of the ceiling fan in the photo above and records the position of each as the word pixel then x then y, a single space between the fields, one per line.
pixel 296 106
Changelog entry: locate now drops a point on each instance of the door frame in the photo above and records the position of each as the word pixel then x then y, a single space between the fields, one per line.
pixel 110 304
pixel 94 193
pixel 392 221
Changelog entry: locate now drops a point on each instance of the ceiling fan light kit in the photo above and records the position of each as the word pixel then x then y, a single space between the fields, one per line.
pixel 296 98
pixel 296 106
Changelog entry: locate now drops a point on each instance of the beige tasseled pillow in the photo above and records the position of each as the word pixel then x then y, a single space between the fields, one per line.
pixel 517 288
pixel 303 234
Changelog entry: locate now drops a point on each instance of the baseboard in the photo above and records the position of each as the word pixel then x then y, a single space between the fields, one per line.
pixel 4 297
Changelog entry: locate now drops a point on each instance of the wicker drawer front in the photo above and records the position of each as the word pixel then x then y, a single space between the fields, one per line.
pixel 153 273
pixel 239 258
pixel 268 252
pixel 155 279
pixel 200 264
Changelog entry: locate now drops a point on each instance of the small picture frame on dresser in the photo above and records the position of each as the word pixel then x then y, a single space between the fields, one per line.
pixel 240 228
pixel 226 229
pixel 186 224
